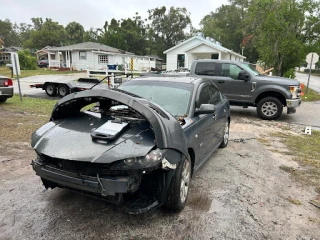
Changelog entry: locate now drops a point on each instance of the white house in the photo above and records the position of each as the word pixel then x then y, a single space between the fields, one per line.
pixel 198 47
pixel 91 55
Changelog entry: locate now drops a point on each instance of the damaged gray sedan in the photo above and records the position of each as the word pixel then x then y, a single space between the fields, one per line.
pixel 137 145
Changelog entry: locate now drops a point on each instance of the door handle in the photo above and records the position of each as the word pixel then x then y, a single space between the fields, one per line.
pixel 220 81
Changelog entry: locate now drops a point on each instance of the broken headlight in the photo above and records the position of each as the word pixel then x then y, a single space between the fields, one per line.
pixel 152 159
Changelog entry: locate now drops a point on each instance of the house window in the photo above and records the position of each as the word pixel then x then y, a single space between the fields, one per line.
pixel 151 59
pixel 53 56
pixel 181 58
pixel 82 55
pixel 215 56
pixel 102 59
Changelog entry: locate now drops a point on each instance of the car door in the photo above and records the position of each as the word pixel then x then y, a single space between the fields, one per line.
pixel 229 84
pixel 220 116
pixel 203 124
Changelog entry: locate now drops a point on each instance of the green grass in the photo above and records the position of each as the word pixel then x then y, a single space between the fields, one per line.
pixel 305 149
pixel 311 96
pixel 27 73
pixel 29 105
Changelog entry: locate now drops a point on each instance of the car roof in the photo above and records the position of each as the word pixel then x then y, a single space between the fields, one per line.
pixel 176 79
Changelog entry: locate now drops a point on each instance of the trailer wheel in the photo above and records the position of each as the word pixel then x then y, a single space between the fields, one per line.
pixel 51 90
pixel 63 90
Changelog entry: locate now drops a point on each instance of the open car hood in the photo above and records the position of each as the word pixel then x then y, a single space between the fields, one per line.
pixel 67 135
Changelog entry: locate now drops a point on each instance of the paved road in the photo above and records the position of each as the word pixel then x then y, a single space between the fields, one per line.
pixel 38 92
pixel 314 82
pixel 308 114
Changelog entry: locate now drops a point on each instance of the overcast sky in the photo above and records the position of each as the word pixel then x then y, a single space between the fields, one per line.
pixel 93 13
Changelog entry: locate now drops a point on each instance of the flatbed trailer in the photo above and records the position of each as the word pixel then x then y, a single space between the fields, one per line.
pixel 63 88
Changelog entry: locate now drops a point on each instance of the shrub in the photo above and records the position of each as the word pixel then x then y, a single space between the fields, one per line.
pixel 26 60
pixel 290 74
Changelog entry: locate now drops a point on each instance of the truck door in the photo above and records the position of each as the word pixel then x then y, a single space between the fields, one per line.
pixel 229 84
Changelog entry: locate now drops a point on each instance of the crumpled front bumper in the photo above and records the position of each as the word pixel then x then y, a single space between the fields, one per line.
pixel 292 104
pixel 105 186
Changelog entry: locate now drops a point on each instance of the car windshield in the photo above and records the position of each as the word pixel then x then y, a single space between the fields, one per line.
pixel 251 68
pixel 173 97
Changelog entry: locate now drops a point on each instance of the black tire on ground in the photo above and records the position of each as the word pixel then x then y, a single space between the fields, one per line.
pixel 269 108
pixel 51 90
pixel 63 90
pixel 225 139
pixel 179 187
pixel 3 99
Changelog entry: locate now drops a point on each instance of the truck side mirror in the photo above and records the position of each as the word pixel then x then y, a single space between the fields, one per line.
pixel 243 75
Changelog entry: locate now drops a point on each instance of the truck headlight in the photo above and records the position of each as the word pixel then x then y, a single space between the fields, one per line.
pixel 295 91
pixel 152 159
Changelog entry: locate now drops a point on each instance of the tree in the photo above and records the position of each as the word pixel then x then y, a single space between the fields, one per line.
pixel 167 28
pixel 49 34
pixel 7 33
pixel 75 33
pixel 126 34
pixel 227 25
pixel 283 30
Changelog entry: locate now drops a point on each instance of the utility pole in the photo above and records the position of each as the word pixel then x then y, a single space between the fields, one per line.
pixel 309 73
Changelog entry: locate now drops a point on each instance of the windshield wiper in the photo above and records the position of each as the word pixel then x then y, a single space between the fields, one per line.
pixel 126 92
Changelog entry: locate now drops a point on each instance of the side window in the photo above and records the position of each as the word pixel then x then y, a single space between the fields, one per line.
pixel 230 70
pixel 205 68
pixel 204 97
pixel 215 96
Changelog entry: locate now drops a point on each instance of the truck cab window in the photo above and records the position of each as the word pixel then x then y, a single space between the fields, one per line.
pixel 205 68
pixel 230 70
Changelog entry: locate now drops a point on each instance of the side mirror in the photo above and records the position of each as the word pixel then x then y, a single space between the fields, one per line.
pixel 204 109
pixel 243 75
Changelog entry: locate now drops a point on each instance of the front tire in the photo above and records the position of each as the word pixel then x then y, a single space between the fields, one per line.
pixel 225 139
pixel 179 187
pixel 3 99
pixel 269 108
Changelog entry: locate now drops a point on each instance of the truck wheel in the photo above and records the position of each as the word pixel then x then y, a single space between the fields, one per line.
pixel 51 90
pixel 3 99
pixel 225 139
pixel 269 108
pixel 179 187
pixel 63 90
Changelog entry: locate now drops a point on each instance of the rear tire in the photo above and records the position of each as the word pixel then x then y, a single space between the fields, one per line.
pixel 51 90
pixel 179 187
pixel 3 99
pixel 269 108
pixel 63 90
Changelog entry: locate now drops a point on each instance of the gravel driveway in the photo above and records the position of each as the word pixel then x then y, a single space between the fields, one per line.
pixel 240 193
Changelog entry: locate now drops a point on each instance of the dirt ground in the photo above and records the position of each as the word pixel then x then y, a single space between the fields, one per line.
pixel 240 193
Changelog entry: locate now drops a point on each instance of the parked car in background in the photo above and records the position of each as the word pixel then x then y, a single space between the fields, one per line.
pixel 139 145
pixel 6 88
pixel 244 86
pixel 43 63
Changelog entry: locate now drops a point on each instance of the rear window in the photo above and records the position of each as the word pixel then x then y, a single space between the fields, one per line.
pixel 205 68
